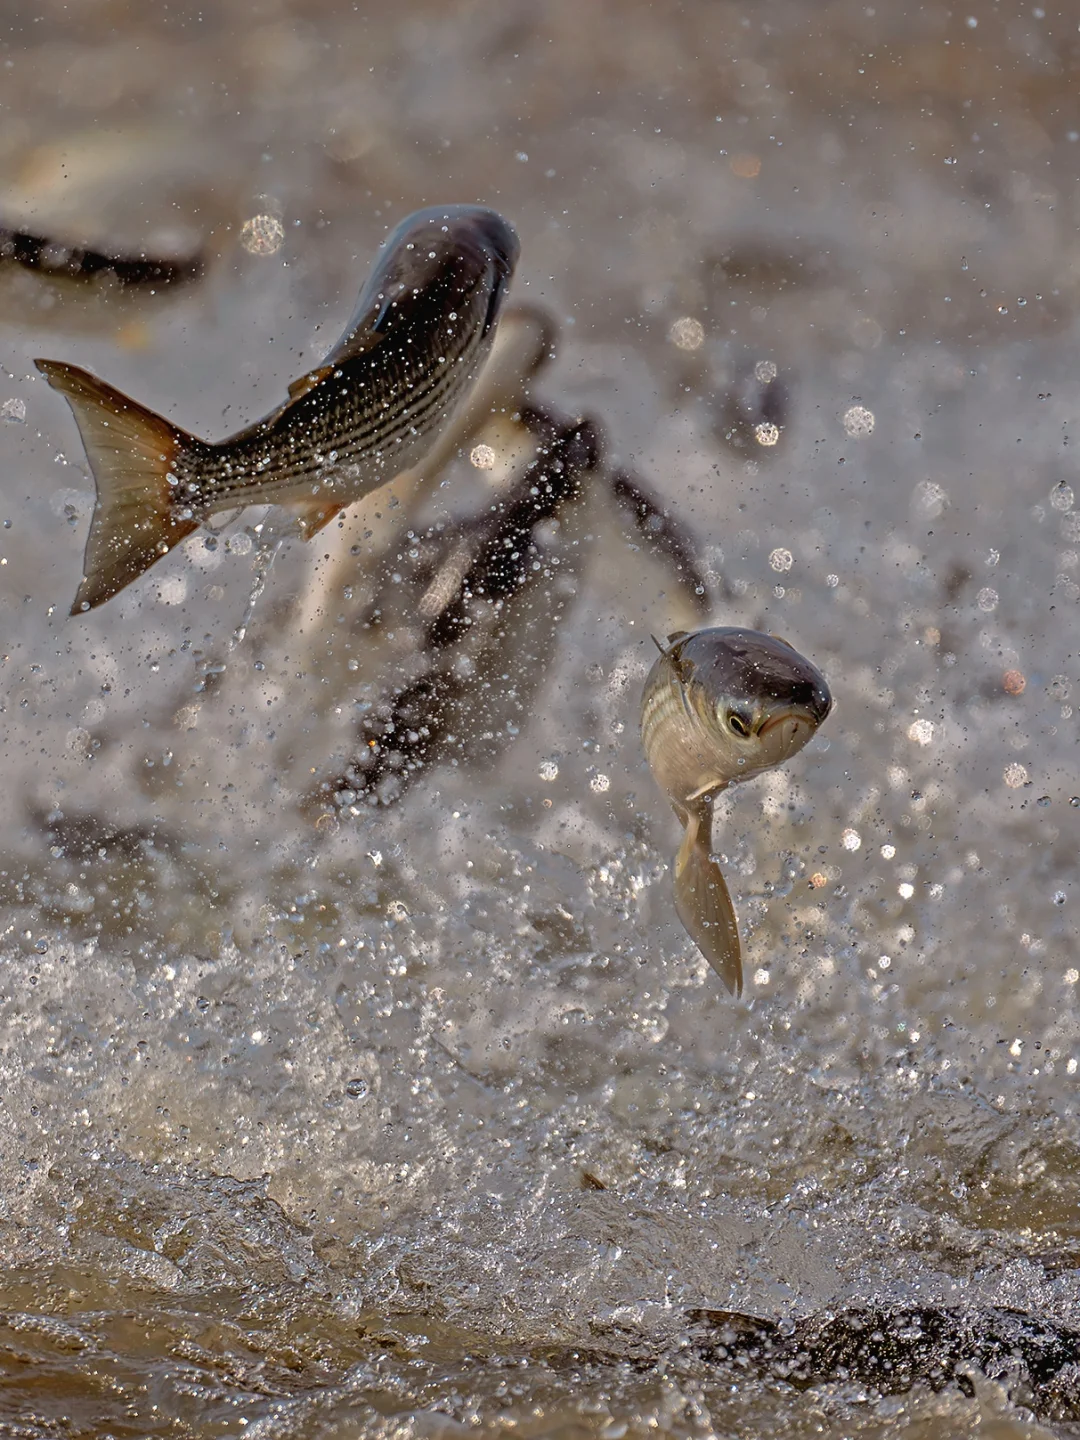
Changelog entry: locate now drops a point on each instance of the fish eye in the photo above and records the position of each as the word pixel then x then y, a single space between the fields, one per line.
pixel 739 723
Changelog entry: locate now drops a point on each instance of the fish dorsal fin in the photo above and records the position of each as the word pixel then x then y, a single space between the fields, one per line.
pixel 312 515
pixel 307 382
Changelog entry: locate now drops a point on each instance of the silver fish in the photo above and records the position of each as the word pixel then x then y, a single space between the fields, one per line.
pixel 720 705
pixel 376 405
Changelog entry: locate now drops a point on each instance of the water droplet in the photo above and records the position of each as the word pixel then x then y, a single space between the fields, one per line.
pixel 851 840
pixel 13 411
pixel 858 420
pixel 781 559
pixel 482 457
pixel 687 333
pixel 262 235
pixel 1062 497
pixel 1015 775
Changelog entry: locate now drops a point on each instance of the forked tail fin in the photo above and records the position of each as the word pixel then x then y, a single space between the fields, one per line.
pixel 131 452
pixel 702 900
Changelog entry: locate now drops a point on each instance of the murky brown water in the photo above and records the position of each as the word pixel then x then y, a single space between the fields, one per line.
pixel 302 1134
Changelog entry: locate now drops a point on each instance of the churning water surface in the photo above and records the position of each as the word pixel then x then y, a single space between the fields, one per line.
pixel 431 1120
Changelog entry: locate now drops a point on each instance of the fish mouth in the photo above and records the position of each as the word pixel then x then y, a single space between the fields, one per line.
pixel 798 719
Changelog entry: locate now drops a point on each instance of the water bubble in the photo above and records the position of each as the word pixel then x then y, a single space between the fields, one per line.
pixel 1062 497
pixel 262 235
pixel 173 590
pixel 548 770
pixel 781 559
pixel 1059 687
pixel 1015 775
pixel 761 978
pixel 13 411
pixel 766 434
pixel 888 851
pixel 832 581
pixel 921 731
pixel 482 457
pixel 930 498
pixel 687 333
pixel 1014 682
pixel 987 599
pixel 884 962
pixel 906 890
pixel 356 1089
pixel 765 371
pixel 241 544
pixel 1059 899
pixel 851 840
pixel 858 420
pixel 599 783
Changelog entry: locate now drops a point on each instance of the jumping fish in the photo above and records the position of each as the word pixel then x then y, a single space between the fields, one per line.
pixel 375 406
pixel 720 705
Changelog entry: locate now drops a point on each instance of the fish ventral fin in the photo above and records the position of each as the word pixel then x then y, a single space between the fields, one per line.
pixel 132 452
pixel 307 382
pixel 312 515
pixel 702 899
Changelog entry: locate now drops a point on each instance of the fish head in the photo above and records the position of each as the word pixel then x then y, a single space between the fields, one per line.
pixel 445 259
pixel 758 699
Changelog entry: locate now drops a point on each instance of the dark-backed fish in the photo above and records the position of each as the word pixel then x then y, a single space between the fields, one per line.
pixel 720 705
pixel 374 407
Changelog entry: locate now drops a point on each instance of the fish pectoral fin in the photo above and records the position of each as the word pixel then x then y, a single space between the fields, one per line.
pixel 307 382
pixel 312 515
pixel 704 905
pixel 132 453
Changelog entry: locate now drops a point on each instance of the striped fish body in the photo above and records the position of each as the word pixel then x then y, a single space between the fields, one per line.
pixel 376 405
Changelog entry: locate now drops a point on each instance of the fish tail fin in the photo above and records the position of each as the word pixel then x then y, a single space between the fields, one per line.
pixel 703 902
pixel 132 452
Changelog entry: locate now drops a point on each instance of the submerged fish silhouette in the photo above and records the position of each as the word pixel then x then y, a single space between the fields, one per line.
pixel 374 407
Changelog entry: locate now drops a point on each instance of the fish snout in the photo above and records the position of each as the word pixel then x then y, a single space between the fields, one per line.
pixel 819 703
pixel 486 232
